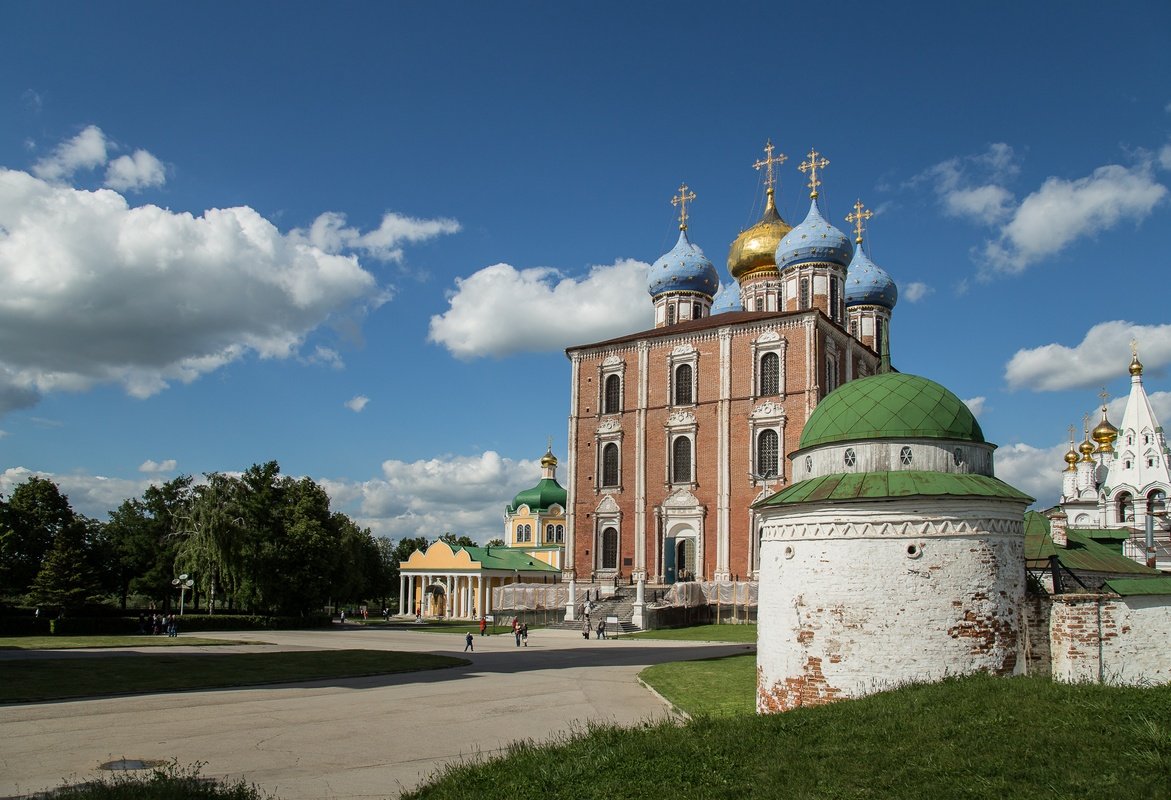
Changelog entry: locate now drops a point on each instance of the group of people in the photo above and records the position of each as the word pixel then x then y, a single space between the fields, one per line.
pixel 520 630
pixel 599 632
pixel 158 624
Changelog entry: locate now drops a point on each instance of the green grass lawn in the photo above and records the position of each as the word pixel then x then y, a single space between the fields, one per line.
pixel 74 642
pixel 969 739
pixel 714 686
pixel 29 680
pixel 701 633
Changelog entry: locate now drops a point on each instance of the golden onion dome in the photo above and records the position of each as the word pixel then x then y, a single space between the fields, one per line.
pixel 548 460
pixel 1087 450
pixel 1105 434
pixel 756 247
pixel 1071 459
pixel 1136 366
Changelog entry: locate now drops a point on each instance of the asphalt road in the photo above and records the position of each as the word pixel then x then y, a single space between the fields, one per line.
pixel 352 738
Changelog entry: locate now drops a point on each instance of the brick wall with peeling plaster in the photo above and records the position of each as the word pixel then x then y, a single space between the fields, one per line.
pixel 1111 639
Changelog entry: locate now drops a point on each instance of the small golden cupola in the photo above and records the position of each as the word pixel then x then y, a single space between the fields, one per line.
pixel 1105 434
pixel 1071 456
pixel 1086 447
pixel 754 250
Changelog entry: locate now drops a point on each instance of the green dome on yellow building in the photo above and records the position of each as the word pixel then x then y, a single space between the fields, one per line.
pixel 546 494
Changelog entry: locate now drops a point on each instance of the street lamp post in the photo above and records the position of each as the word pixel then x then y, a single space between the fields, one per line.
pixel 182 583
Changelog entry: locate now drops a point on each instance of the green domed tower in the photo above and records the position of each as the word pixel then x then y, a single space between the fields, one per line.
pixel 535 519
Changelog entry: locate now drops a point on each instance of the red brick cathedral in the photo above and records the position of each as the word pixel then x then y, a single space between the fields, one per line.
pixel 676 431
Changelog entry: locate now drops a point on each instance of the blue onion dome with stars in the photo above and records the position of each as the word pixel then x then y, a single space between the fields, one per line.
pixel 869 284
pixel 814 240
pixel 727 299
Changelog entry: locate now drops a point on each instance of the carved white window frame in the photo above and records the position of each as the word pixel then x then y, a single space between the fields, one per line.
pixel 606 515
pixel 609 432
pixel 768 415
pixel 769 342
pixel 680 424
pixel 683 354
pixel 611 365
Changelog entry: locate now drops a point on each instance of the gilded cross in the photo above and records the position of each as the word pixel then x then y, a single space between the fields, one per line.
pixel 768 161
pixel 858 218
pixel 812 166
pixel 681 200
pixel 550 445
pixel 1086 425
pixel 1072 429
pixel 1104 395
pixel 1134 348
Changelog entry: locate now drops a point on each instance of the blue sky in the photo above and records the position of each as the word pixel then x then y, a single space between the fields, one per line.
pixel 356 237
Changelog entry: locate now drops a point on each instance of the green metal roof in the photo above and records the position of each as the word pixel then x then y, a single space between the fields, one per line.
pixel 507 558
pixel 1131 587
pixel 541 497
pixel 844 487
pixel 1082 553
pixel 890 406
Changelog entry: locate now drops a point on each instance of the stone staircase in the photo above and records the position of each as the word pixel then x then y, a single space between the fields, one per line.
pixel 620 604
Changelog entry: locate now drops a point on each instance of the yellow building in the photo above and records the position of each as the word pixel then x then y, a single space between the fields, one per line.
pixel 457 582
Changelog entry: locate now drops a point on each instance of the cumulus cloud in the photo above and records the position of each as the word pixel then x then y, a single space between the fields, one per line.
pixel 330 233
pixel 86 150
pixel 501 310
pixel 916 291
pixel 1165 156
pixel 1103 355
pixel 971 186
pixel 976 405
pixel 151 466
pixel 1052 217
pixel 98 291
pixel 461 494
pixel 135 172
pixel 357 403
pixel 91 495
pixel 1034 470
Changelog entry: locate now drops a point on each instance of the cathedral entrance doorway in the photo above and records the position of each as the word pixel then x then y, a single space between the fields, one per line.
pixel 678 559
pixel 436 605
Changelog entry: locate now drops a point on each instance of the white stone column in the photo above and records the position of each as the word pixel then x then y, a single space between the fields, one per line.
pixel 723 459
pixel 638 617
pixel 640 491
pixel 571 605
pixel 571 467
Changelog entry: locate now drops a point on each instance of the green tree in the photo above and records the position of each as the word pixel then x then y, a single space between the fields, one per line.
pixel 211 544
pixel 67 577
pixel 454 541
pixel 31 519
pixel 496 543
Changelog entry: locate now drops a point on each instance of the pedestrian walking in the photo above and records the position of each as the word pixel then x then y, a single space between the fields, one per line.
pixel 602 629
pixel 468 643
pixel 524 634
pixel 483 625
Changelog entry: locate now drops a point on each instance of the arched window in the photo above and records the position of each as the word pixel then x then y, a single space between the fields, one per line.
pixel 610 548
pixel 696 310
pixel 1156 501
pixel 767 454
pixel 683 387
pixel 549 533
pixel 770 374
pixel 560 533
pixel 681 460
pixel 612 402
pixel 804 303
pixel 854 328
pixel 759 304
pixel 1125 507
pixel 670 315
pixel 610 464
pixel 831 373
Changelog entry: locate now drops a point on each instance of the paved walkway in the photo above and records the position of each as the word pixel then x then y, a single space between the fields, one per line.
pixel 351 738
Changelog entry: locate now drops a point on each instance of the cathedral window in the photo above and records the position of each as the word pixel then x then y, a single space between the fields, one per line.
pixel 770 374
pixel 804 301
pixel 560 534
pixel 905 456
pixel 681 460
pixel 1124 507
pixel 850 457
pixel 684 395
pixel 610 464
pixel 767 454
pixel 612 401
pixel 854 328
pixel 878 336
pixel 548 533
pixel 610 548
pixel 831 373
pixel 1157 502
pixel 671 314
pixel 524 533
pixel 696 311
pixel 809 463
pixel 957 456
pixel 760 304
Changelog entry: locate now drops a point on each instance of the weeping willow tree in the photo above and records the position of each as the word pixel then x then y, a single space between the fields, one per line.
pixel 213 538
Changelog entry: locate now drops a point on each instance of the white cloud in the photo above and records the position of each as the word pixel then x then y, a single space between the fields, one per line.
pixel 916 291
pixel 1103 355
pixel 357 403
pixel 1061 211
pixel 151 466
pixel 330 234
pixel 461 494
pixel 1036 471
pixel 987 203
pixel 1165 156
pixel 501 310
pixel 326 357
pixel 976 405
pixel 86 150
pixel 98 291
pixel 91 495
pixel 135 172
pixel 970 187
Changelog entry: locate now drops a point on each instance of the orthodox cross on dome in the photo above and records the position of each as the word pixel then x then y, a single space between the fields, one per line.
pixel 1104 396
pixel 767 162
pixel 1072 430
pixel 681 200
pixel 549 446
pixel 1086 425
pixel 812 166
pixel 1134 348
pixel 858 218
